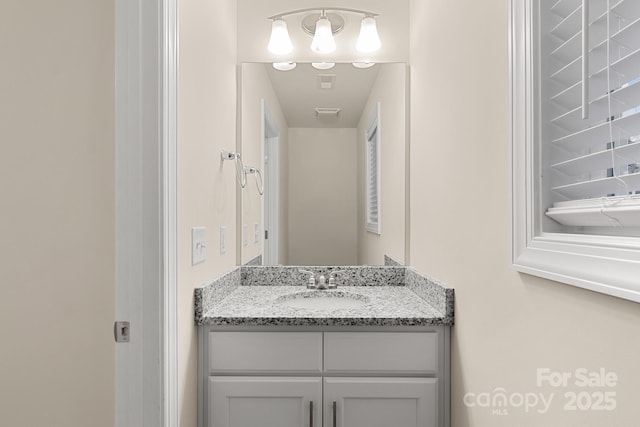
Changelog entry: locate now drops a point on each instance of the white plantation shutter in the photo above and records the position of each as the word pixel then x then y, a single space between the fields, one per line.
pixel 372 173
pixel 589 111
pixel 575 93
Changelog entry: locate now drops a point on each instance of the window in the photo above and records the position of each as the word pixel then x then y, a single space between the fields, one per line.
pixel 575 101
pixel 372 145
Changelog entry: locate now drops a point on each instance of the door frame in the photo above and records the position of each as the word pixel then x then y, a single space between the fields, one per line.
pixel 146 55
pixel 271 198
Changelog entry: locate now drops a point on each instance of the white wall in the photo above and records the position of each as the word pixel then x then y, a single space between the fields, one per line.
pixel 322 196
pixel 390 91
pixel 206 186
pixel 256 87
pixel 57 206
pixel 507 324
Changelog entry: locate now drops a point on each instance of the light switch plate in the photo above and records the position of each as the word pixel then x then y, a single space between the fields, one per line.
pixel 198 245
pixel 223 239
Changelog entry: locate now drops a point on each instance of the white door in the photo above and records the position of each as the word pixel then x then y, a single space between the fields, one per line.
pixel 264 402
pixel 380 402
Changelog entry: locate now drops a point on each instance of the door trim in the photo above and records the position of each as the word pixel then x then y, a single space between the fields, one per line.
pixel 170 211
pixel 271 199
pixel 146 386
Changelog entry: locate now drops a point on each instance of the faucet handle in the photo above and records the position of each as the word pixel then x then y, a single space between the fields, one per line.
pixel 332 279
pixel 312 280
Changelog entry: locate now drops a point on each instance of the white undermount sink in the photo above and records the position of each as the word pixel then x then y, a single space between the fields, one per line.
pixel 323 300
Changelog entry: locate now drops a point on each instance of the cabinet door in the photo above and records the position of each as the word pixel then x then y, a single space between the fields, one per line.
pixel 380 402
pixel 264 402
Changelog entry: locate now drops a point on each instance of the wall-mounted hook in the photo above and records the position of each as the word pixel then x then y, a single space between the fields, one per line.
pixel 228 155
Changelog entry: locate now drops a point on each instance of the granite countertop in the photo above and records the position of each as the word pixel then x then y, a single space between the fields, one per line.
pixel 263 305
pixel 395 296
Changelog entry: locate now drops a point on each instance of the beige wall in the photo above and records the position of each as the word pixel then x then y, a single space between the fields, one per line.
pixel 322 196
pixel 256 86
pixel 206 186
pixel 57 207
pixel 390 91
pixel 507 324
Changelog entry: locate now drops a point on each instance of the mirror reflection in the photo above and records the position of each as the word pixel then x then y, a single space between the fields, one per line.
pixel 327 150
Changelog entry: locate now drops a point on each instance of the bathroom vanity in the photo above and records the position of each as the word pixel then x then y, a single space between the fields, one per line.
pixel 381 360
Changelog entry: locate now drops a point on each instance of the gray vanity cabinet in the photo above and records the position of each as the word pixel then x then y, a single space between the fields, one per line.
pixel 336 377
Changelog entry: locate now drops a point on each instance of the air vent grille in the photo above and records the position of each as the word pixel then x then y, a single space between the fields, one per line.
pixel 328 113
pixel 326 81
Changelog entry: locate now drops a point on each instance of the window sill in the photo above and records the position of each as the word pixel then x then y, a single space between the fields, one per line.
pixel 607 265
pixel 373 228
pixel 614 211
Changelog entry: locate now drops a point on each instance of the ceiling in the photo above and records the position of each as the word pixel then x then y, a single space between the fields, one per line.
pixel 299 94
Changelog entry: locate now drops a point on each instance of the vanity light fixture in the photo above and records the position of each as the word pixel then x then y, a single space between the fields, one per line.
pixel 368 41
pixel 323 65
pixel 365 64
pixel 284 66
pixel 322 26
pixel 323 41
pixel 279 43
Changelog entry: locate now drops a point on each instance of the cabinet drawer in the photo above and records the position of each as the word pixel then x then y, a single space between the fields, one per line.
pixel 251 352
pixel 381 352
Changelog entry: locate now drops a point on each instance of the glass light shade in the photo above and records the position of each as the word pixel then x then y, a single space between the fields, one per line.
pixel 284 66
pixel 279 43
pixel 323 65
pixel 368 41
pixel 323 41
pixel 366 64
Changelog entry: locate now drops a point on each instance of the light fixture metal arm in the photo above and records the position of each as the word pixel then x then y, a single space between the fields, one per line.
pixel 325 9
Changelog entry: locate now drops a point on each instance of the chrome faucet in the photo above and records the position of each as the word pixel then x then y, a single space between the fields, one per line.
pixel 332 279
pixel 322 282
pixel 311 284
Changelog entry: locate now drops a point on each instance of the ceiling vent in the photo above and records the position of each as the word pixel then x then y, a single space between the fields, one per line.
pixel 326 81
pixel 327 113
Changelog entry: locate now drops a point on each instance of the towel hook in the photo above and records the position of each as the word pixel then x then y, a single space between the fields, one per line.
pixel 241 177
pixel 250 170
